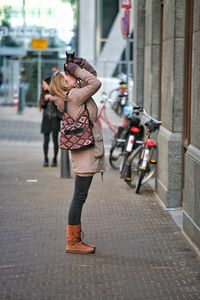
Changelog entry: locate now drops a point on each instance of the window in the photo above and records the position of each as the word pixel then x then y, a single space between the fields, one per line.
pixel 188 73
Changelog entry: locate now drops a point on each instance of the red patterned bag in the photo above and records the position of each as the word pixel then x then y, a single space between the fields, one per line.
pixel 76 134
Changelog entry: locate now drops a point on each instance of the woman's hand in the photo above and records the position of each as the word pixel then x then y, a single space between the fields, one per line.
pixel 47 97
pixel 70 68
pixel 78 60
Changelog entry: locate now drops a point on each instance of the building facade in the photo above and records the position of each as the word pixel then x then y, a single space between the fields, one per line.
pixel 100 38
pixel 33 39
pixel 167 80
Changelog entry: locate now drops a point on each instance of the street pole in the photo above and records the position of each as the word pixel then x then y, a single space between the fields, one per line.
pixel 125 28
pixel 65 164
pixel 128 60
pixel 39 73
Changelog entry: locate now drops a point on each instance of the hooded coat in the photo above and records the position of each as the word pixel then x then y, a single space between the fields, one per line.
pixel 90 160
pixel 50 118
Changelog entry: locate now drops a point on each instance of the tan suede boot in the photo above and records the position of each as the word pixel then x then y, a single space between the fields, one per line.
pixel 74 242
pixel 82 237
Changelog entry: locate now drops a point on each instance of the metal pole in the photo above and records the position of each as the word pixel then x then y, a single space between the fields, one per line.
pixel 127 15
pixel 65 164
pixel 24 20
pixel 39 79
pixel 128 60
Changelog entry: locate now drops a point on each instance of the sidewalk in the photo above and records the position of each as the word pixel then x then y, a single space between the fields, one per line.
pixel 141 253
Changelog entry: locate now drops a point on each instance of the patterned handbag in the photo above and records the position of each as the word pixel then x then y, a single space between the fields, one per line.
pixel 76 134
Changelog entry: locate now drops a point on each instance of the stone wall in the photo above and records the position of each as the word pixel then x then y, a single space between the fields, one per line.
pixel 178 173
pixel 152 57
pixel 169 177
pixel 191 194
pixel 139 31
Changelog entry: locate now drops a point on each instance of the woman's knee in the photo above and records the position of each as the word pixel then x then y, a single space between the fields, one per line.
pixel 82 185
pixel 80 197
pixel 46 138
pixel 55 137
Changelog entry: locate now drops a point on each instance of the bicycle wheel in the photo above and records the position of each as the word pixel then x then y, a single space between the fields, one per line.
pixel 113 94
pixel 141 176
pixel 123 160
pixel 115 155
pixel 138 178
pixel 133 166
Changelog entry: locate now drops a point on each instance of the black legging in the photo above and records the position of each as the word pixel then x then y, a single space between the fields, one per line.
pixel 82 185
pixel 46 144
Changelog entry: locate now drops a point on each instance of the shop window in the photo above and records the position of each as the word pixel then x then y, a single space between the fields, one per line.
pixel 188 73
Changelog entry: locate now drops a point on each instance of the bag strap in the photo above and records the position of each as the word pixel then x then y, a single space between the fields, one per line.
pixel 65 101
pixel 65 106
pixel 90 122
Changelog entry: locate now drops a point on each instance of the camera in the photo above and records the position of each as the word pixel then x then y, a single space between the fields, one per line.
pixel 70 57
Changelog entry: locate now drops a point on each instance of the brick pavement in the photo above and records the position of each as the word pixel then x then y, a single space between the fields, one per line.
pixel 141 253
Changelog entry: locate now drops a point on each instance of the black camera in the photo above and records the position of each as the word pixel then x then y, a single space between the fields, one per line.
pixel 69 57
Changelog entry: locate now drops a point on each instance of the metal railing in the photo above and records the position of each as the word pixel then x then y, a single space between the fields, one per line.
pixel 26 70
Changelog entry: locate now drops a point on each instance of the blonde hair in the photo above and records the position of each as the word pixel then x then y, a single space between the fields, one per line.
pixel 59 86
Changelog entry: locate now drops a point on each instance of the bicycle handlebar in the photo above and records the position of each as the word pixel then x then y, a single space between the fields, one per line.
pixel 135 106
pixel 151 118
pixel 142 110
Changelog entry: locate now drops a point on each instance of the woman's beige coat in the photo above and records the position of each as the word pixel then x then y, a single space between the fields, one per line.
pixel 89 160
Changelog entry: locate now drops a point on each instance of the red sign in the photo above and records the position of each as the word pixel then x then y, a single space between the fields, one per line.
pixel 126 4
pixel 125 24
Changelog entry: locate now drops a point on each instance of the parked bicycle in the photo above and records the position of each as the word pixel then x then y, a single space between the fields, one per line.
pixel 140 165
pixel 119 97
pixel 125 140
pixel 102 115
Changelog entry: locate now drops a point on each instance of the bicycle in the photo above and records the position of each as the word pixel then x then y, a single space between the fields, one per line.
pixel 117 133
pixel 116 149
pixel 102 115
pixel 119 97
pixel 125 139
pixel 140 166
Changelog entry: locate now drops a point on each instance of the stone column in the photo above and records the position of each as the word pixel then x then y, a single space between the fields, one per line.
pixel 169 171
pixel 152 57
pixel 191 204
pixel 87 29
pixel 139 31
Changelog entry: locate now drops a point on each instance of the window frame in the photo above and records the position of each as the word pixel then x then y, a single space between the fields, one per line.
pixel 189 15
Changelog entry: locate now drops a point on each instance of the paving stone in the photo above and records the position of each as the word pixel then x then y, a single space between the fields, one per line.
pixel 141 253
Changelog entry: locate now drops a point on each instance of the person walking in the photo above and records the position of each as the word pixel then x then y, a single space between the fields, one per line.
pixel 50 122
pixel 77 85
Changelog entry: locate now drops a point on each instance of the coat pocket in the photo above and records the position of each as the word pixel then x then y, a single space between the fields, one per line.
pixel 99 146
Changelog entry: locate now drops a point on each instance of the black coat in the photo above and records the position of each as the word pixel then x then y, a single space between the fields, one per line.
pixel 51 116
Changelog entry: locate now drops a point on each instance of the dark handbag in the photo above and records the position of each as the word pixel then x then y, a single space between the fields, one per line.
pixel 59 115
pixel 76 134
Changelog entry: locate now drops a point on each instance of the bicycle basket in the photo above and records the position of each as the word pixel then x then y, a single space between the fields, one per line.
pixel 152 126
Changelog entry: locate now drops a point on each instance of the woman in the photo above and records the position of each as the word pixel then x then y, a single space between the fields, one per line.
pixel 76 86
pixel 50 122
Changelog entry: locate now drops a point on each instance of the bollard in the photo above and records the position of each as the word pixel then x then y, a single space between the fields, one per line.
pixel 21 99
pixel 65 164
pixel 22 96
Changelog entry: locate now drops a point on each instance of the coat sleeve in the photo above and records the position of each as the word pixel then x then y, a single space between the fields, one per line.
pixel 58 102
pixel 42 103
pixel 88 67
pixel 90 86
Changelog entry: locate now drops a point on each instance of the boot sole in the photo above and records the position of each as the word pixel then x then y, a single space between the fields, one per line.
pixel 79 252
